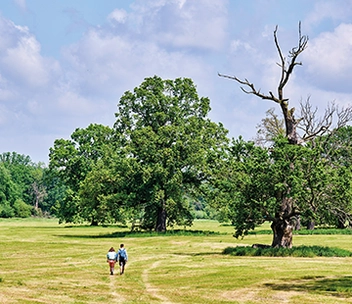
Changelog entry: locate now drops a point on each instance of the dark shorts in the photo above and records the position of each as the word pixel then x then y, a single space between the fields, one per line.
pixel 122 262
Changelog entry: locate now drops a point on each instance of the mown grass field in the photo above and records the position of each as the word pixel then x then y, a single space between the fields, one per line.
pixel 43 262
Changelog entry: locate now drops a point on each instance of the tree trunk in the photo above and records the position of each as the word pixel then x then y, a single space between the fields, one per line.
pixel 94 222
pixel 284 224
pixel 310 225
pixel 341 224
pixel 282 230
pixel 161 219
pixel 290 124
pixel 297 226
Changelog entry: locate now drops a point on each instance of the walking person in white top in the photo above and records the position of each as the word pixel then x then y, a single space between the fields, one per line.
pixel 111 258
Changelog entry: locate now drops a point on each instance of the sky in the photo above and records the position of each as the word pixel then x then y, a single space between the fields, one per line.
pixel 64 64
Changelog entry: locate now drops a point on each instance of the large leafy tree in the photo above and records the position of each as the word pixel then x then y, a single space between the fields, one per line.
pixel 169 142
pixel 71 160
pixel 259 180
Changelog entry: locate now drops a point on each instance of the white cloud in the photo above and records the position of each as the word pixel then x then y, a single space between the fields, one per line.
pixel 187 23
pixel 328 10
pixel 24 62
pixel 328 58
pixel 168 38
pixel 118 15
pixel 107 64
pixel 21 62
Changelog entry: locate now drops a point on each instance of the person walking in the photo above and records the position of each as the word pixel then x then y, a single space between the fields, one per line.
pixel 111 258
pixel 122 258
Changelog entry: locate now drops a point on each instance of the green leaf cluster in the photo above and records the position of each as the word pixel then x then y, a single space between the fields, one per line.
pixel 298 251
pixel 314 178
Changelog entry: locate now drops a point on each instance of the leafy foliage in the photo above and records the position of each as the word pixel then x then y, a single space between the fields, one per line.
pixel 299 251
pixel 260 179
pixel 170 142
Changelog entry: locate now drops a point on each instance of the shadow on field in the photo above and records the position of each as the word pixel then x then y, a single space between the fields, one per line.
pixel 121 234
pixel 338 286
pixel 210 253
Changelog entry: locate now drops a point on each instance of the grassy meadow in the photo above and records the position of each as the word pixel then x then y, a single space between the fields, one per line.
pixel 44 262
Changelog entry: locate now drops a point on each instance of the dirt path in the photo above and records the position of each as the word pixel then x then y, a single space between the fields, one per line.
pixel 116 297
pixel 152 290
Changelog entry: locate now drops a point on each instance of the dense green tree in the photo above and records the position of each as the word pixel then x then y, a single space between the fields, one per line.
pixel 55 192
pixel 71 160
pixel 21 170
pixel 104 194
pixel 170 142
pixel 259 180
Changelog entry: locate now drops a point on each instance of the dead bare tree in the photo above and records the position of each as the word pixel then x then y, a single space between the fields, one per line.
pixel 287 66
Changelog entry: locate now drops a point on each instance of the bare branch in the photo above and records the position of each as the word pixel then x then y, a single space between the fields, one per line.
pixel 293 54
pixel 344 116
pixel 313 127
pixel 252 89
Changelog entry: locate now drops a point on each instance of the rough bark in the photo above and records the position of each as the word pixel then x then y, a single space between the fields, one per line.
pixel 161 218
pixel 282 229
pixel 284 223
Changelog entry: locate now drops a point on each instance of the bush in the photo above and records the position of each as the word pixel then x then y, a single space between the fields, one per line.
pixel 6 211
pixel 299 251
pixel 21 209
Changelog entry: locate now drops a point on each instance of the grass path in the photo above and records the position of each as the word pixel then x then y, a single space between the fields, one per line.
pixel 115 296
pixel 152 290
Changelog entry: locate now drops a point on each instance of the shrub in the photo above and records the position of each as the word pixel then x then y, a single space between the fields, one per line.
pixel 299 251
pixel 6 211
pixel 21 209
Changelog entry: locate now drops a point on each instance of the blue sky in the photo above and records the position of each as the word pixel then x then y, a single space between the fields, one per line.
pixel 65 63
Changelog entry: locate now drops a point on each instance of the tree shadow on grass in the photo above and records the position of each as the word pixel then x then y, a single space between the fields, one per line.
pixel 337 286
pixel 121 234
pixel 194 254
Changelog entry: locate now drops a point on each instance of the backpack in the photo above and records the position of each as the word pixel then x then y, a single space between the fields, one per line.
pixel 122 254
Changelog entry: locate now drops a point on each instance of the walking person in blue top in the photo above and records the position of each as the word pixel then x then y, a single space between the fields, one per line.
pixel 111 258
pixel 122 258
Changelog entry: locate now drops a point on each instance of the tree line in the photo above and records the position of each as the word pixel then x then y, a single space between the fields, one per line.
pixel 27 188
pixel 163 156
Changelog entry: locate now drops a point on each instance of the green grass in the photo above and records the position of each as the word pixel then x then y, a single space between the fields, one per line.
pixel 43 262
